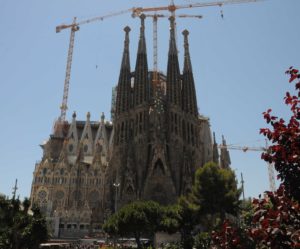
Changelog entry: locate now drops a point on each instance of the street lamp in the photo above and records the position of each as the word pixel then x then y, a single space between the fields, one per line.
pixel 116 185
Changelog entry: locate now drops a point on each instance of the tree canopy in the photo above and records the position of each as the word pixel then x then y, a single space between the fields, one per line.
pixel 275 222
pixel 215 191
pixel 285 138
pixel 135 219
pixel 20 230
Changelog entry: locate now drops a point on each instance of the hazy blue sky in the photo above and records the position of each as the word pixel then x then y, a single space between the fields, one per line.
pixel 238 62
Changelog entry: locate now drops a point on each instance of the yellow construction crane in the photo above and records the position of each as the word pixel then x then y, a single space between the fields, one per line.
pixel 74 26
pixel 271 173
pixel 172 8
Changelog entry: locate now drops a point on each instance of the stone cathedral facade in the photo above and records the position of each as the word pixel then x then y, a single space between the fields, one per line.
pixel 150 150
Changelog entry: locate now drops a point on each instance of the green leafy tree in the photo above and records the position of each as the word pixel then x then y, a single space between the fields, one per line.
pixel 285 138
pixel 135 219
pixel 181 217
pixel 275 219
pixel 216 194
pixel 20 230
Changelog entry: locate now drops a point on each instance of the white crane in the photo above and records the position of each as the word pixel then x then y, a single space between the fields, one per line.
pixel 271 173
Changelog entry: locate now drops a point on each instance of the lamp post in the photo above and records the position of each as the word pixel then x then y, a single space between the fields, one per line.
pixel 116 185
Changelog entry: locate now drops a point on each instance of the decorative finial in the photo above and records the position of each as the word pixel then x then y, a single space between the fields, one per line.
pixel 102 117
pixel 223 140
pixel 214 134
pixel 172 18
pixel 88 115
pixel 187 60
pixel 172 22
pixel 186 42
pixel 143 17
pixel 74 115
pixel 127 29
pixel 185 32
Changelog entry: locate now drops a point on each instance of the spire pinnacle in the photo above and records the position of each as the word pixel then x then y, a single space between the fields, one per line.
pixel 215 150
pixel 187 59
pixel 141 91
pixel 125 60
pixel 102 117
pixel 172 48
pixel 142 43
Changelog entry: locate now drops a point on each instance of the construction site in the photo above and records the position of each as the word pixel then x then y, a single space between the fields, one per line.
pixel 153 142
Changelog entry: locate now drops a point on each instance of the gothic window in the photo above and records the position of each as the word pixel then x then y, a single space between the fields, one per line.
pixel 126 130
pixel 129 190
pixel 44 171
pixel 42 195
pixel 85 148
pixel 176 131
pixel 61 171
pixel 118 134
pixel 71 147
pixel 136 124
pixel 140 123
pixel 159 168
pixel 122 132
pixel 188 132
pixel 145 115
pixel 59 194
pixel 172 120
pixel 192 134
pixel 131 128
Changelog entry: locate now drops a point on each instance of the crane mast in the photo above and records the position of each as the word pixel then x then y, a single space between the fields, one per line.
pixel 64 105
pixel 155 43
pixel 74 27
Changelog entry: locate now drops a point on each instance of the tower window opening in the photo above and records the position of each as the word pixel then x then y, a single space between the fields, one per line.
pixel 140 123
pixel 136 124
pixel 122 132
pixel 188 133
pixel 176 131
pixel 192 135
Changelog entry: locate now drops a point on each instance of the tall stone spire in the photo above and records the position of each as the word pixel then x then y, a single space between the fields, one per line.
pixel 141 84
pixel 189 102
pixel 225 157
pixel 215 151
pixel 123 91
pixel 173 72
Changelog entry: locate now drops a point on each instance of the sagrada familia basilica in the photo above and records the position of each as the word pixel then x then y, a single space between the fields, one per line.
pixel 149 150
